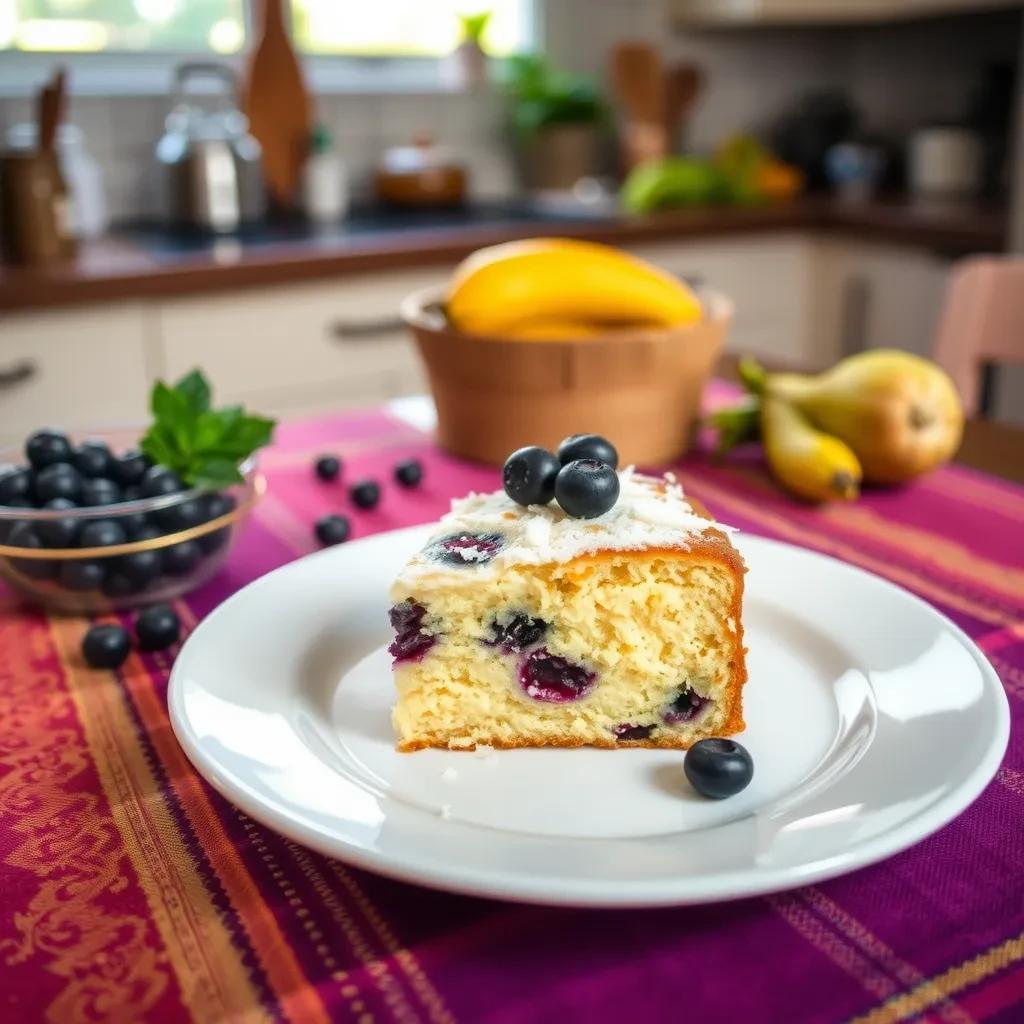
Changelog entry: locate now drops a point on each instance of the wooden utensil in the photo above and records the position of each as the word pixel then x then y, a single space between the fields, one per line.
pixel 639 81
pixel 49 111
pixel 275 99
pixel 683 84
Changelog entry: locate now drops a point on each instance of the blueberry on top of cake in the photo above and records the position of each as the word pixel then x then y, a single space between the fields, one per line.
pixel 615 623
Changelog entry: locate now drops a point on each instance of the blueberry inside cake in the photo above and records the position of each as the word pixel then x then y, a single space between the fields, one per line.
pixel 520 625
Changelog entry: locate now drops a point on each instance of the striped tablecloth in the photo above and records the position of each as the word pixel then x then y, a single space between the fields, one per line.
pixel 130 891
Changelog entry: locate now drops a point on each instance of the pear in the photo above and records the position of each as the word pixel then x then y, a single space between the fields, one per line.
pixel 899 413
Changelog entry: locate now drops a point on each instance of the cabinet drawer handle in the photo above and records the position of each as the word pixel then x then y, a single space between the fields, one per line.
pixel 17 373
pixel 365 330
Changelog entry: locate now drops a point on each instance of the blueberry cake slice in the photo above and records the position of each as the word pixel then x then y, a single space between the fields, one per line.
pixel 522 626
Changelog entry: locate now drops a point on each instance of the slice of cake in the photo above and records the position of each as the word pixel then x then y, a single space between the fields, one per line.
pixel 525 627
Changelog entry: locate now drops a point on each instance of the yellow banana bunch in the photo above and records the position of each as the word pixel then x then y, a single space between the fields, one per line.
pixel 545 288
pixel 806 461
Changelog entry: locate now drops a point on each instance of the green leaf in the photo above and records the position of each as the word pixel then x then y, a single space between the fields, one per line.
pixel 215 473
pixel 752 375
pixel 196 390
pixel 736 425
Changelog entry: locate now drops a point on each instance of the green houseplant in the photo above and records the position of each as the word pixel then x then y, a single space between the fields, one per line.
pixel 557 119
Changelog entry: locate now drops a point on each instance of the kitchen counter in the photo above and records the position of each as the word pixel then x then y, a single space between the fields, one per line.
pixel 145 262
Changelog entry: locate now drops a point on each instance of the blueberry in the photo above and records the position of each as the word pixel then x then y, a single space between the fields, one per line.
pixel 685 707
pixel 158 481
pixel 106 646
pixel 465 548
pixel 58 533
pixel 365 494
pixel 131 493
pixel 586 488
pixel 147 531
pixel 529 475
pixel 141 567
pixel 99 491
pixel 181 516
pixel 181 559
pixel 410 643
pixel 58 480
pixel 130 467
pixel 547 677
pixel 157 627
pixel 332 529
pixel 588 446
pixel 626 731
pixel 101 533
pixel 133 522
pixel 409 472
pixel 328 467
pixel 718 768
pixel 93 459
pixel 15 485
pixel 216 505
pixel 82 574
pixel 45 447
pixel 23 535
pixel 516 633
pixel 117 584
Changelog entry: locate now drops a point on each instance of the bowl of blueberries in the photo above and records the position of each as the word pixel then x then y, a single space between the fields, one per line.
pixel 92 524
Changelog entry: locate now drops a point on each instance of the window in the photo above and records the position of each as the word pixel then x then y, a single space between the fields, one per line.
pixel 374 28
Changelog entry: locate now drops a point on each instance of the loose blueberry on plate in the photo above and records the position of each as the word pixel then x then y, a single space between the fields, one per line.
pixel 529 475
pixel 409 472
pixel 365 494
pixel 106 646
pixel 93 459
pixel 552 679
pixel 718 768
pixel 159 481
pixel 181 559
pixel 99 491
pixel 58 533
pixel 46 447
pixel 157 627
pixel 58 480
pixel 588 446
pixel 328 467
pixel 101 533
pixel 130 467
pixel 332 529
pixel 15 485
pixel 82 574
pixel 586 488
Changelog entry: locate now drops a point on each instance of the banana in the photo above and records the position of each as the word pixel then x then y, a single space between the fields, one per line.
pixel 806 461
pixel 552 329
pixel 497 289
pixel 900 413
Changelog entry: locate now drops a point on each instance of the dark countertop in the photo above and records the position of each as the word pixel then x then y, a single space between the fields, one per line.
pixel 145 262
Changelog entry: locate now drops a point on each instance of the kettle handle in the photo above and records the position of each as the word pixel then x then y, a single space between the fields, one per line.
pixel 203 69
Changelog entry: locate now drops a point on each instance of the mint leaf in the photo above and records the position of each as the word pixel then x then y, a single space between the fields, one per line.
pixel 203 445
pixel 195 389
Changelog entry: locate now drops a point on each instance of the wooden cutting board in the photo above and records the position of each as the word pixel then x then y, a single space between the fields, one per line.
pixel 275 100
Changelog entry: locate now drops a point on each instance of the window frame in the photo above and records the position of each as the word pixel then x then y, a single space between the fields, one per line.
pixel 149 73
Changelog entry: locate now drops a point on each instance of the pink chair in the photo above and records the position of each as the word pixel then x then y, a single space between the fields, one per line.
pixel 982 325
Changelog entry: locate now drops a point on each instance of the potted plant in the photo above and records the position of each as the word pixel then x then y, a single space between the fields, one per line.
pixel 466 67
pixel 557 117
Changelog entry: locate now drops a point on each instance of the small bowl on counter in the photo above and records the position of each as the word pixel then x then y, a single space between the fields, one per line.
pixel 159 548
pixel 641 386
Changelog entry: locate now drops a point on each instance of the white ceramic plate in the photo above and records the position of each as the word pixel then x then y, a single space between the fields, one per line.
pixel 873 721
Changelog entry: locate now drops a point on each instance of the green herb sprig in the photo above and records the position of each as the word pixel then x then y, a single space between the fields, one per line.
pixel 204 446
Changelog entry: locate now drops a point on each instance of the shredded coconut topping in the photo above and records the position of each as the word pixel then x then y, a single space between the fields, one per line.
pixel 650 512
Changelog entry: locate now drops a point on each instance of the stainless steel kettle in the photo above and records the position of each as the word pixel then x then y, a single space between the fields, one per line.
pixel 211 165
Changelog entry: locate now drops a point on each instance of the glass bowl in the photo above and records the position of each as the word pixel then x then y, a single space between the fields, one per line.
pixel 157 561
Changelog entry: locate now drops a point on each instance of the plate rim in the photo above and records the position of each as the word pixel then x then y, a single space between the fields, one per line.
pixel 682 891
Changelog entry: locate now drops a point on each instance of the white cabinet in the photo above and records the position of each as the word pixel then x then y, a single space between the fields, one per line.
pixel 769 280
pixel 74 368
pixel 808 12
pixel 302 347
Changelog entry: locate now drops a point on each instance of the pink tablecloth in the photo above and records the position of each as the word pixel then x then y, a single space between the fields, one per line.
pixel 132 892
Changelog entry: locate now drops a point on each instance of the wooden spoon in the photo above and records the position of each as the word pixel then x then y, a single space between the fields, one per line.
pixel 682 87
pixel 49 111
pixel 275 99
pixel 640 84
